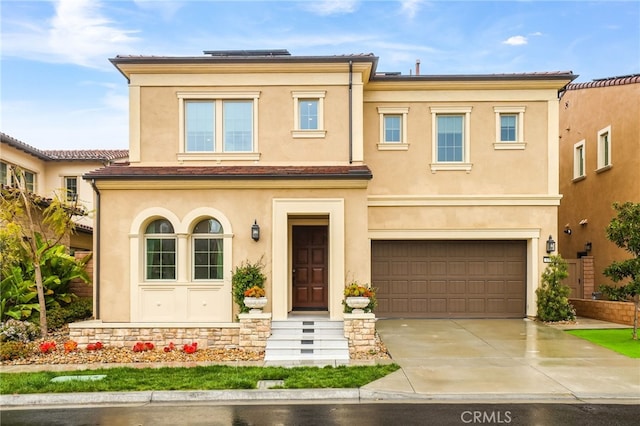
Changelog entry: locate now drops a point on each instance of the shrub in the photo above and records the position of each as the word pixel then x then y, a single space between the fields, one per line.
pixel 79 309
pixel 14 350
pixel 553 296
pixel 18 331
pixel 613 293
pixel 246 276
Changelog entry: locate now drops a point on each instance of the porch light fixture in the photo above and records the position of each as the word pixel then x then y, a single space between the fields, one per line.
pixel 587 246
pixel 551 245
pixel 255 231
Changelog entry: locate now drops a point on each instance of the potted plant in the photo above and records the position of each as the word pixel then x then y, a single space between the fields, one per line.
pixel 247 282
pixel 359 298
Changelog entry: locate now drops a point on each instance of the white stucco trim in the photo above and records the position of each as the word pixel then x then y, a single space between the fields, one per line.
pixel 283 209
pixel 463 200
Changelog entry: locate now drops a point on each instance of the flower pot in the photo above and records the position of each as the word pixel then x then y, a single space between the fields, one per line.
pixel 357 304
pixel 255 304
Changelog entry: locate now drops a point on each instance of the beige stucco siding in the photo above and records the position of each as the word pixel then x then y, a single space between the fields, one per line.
pixel 408 171
pixel 240 207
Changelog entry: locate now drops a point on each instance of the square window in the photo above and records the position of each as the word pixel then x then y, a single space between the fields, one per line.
pixel 392 128
pixel 308 114
pixel 200 126
pixel 238 126
pixel 509 127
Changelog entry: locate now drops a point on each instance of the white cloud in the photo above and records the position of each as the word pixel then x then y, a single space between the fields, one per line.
pixel 516 40
pixel 79 33
pixel 333 7
pixel 410 7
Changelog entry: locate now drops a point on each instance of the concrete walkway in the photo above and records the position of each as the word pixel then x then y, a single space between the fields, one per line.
pixel 442 360
pixel 506 360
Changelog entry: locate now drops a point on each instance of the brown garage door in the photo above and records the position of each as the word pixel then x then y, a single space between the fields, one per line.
pixel 449 279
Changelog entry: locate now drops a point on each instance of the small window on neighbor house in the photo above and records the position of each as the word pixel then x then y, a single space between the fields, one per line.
pixel 71 187
pixel 160 251
pixel 508 127
pixel 4 174
pixel 392 128
pixel 578 160
pixel 208 253
pixel 308 114
pixel 604 148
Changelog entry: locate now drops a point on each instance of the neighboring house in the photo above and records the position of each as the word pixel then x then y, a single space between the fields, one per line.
pixel 57 171
pixel 599 165
pixel 439 190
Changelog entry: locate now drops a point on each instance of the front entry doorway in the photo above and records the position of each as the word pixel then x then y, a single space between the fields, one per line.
pixel 310 268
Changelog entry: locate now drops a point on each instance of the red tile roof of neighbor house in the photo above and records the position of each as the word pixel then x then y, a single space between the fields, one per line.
pixel 125 171
pixel 606 82
pixel 66 155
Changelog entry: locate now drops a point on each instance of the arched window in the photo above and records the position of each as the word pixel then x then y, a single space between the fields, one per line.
pixel 160 246
pixel 208 254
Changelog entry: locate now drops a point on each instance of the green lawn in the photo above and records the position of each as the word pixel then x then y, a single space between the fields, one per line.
pixel 195 378
pixel 616 339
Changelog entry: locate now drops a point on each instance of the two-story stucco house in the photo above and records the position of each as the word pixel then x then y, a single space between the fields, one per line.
pixel 599 165
pixel 440 190
pixel 58 171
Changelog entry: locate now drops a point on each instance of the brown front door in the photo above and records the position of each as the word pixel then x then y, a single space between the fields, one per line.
pixel 310 268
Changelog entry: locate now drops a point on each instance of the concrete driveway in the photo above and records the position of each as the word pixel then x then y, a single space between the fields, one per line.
pixel 506 360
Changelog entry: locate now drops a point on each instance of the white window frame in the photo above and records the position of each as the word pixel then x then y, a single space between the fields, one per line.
pixel 65 179
pixel 206 236
pixel 579 158
pixel 602 166
pixel 403 145
pixel 465 164
pixel 218 98
pixel 298 96
pixel 518 111
pixel 162 236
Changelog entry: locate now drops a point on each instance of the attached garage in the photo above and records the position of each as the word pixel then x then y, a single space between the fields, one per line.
pixel 450 279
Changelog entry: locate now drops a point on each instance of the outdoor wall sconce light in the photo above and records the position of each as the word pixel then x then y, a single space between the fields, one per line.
pixel 587 246
pixel 255 231
pixel 551 245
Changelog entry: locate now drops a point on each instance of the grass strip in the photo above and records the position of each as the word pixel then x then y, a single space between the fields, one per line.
pixel 216 377
pixel 616 339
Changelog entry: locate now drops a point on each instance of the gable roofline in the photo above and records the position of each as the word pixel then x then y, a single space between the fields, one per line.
pixel 65 155
pixel 606 82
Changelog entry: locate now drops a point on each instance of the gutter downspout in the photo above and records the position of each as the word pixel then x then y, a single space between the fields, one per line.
pixel 96 269
pixel 350 112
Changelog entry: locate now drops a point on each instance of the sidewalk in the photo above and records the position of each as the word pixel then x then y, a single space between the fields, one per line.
pixel 441 360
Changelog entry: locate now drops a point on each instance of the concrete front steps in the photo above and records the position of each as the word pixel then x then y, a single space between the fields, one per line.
pixel 313 340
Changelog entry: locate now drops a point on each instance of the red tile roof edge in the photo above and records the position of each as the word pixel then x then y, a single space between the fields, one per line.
pixel 67 155
pixel 123 171
pixel 606 82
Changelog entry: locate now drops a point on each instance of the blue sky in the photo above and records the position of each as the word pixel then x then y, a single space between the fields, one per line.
pixel 59 91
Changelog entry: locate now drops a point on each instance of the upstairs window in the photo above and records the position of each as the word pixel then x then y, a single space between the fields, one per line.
pixel 451 139
pixel 509 127
pixel 393 128
pixel 308 114
pixel 71 187
pixel 218 125
pixel 160 251
pixel 578 160
pixel 604 149
pixel 208 253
